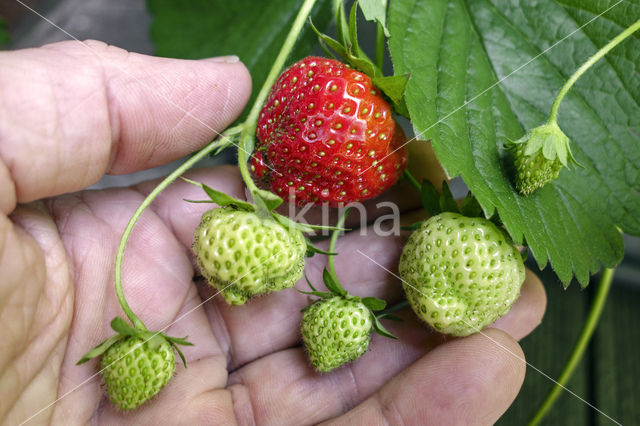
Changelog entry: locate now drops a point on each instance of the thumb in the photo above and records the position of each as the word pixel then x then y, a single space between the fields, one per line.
pixel 71 111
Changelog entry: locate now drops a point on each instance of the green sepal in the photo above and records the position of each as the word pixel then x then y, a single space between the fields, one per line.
pixel 332 284
pixel 447 202
pixel 180 354
pixel 471 207
pixel 374 304
pixel 320 294
pixel 361 59
pixel 266 199
pixel 306 278
pixel 99 349
pixel 304 227
pixel 430 198
pixel 313 249
pixel 175 341
pixel 412 227
pixel 329 42
pixel 379 328
pixel 178 340
pixel 220 198
pixel 342 27
pixel 123 328
pixel 393 86
pixel 390 317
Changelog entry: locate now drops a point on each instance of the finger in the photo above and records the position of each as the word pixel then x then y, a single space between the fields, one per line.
pixel 470 381
pixel 527 311
pixel 71 111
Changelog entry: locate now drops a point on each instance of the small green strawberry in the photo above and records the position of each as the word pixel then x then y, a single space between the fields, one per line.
pixel 336 330
pixel 134 369
pixel 135 363
pixel 244 255
pixel 539 157
pixel 460 274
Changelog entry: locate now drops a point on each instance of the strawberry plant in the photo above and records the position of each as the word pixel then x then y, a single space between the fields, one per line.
pixel 475 79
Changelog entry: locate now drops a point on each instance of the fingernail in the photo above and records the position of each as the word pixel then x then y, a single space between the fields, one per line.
pixel 223 59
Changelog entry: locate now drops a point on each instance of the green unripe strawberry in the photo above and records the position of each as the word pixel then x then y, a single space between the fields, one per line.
pixel 244 255
pixel 336 330
pixel 540 155
pixel 460 274
pixel 134 369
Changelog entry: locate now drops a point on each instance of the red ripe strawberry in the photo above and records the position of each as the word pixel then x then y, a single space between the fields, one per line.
pixel 327 135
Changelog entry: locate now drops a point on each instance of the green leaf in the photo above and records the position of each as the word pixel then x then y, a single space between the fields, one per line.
pixel 271 200
pixel 254 30
pixel 99 349
pixel 430 198
pixel 483 72
pixel 375 10
pixel 374 303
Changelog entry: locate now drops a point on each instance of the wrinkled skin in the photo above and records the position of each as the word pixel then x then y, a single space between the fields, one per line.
pixel 68 115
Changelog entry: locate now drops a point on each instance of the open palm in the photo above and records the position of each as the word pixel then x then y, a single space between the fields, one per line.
pixel 87 111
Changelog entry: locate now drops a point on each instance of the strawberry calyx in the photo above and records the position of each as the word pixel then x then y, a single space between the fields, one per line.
pixel 350 52
pixel 435 202
pixel 124 330
pixel 540 155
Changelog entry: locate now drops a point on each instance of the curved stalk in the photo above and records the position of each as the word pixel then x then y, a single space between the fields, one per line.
pixel 246 139
pixel 334 239
pixel 147 201
pixel 553 115
pixel 412 180
pixel 581 345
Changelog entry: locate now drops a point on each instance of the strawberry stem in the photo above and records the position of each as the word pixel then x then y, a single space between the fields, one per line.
pixel 412 180
pixel 334 240
pixel 581 345
pixel 592 60
pixel 222 140
pixel 248 134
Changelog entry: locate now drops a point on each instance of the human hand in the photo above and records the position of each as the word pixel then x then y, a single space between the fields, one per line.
pixel 68 116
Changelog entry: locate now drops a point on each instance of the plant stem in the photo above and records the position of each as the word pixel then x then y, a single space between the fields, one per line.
pixel 412 180
pixel 581 345
pixel 334 240
pixel 380 42
pixel 553 115
pixel 147 201
pixel 247 138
